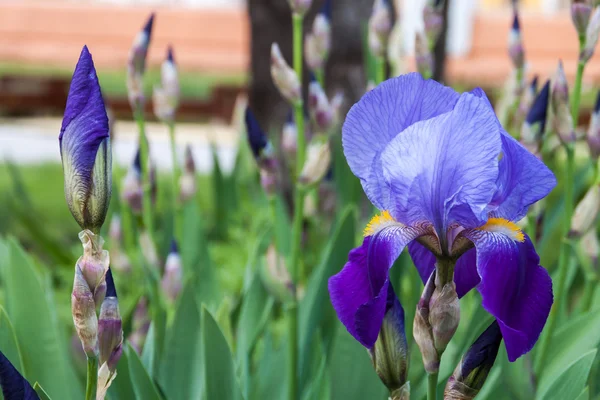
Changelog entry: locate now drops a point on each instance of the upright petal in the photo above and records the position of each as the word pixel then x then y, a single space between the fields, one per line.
pixel 85 147
pixel 14 386
pixel 444 170
pixel 359 291
pixel 380 116
pixel 515 289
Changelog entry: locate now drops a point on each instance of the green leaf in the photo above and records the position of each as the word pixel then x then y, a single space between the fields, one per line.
pixel 40 391
pixel 122 387
pixel 220 380
pixel 9 343
pixel 585 394
pixel 143 386
pixel 181 366
pixel 352 376
pixel 571 382
pixel 283 226
pixel 491 384
pixel 270 380
pixel 575 338
pixel 315 303
pixel 32 312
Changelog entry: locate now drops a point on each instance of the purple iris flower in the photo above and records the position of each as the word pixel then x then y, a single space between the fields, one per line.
pixel 14 386
pixel 450 182
pixel 85 147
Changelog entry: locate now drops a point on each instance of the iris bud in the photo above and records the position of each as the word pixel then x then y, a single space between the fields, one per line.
pixel 580 14
pixel 110 332
pixel 285 77
pixel 140 324
pixel 317 162
pixel 114 231
pixel 526 102
pixel 172 279
pixel 380 26
pixel 515 44
pixel 318 43
pixel 593 133
pixel 534 126
pixel 148 249
pixel 187 182
pixel 263 153
pixel 136 65
pixel 389 355
pixel 289 138
pixel 586 213
pixel 591 247
pixel 166 96
pixel 300 7
pixel 422 330
pixel 474 367
pixel 323 112
pixel 562 119
pixel 591 36
pixel 276 276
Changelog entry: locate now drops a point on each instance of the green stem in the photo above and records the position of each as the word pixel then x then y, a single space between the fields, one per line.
pixel 298 216
pixel 432 386
pixel 92 378
pixel 508 117
pixel 177 220
pixel 578 81
pixel 320 75
pixel 145 168
pixel 563 262
pixel 379 70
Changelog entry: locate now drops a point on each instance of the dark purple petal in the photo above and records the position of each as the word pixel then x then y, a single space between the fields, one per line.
pixel 380 116
pixel 111 290
pixel 359 292
pixel 256 136
pixel 14 386
pixel 444 170
pixel 515 289
pixel 170 56
pixel 466 276
pixel 538 112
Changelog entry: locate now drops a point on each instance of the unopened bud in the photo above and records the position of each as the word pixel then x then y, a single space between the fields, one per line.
pixel 263 153
pixel 562 119
pixel 526 102
pixel 380 26
pixel 188 159
pixel 534 126
pixel 94 263
pixel 173 278
pixel 593 133
pixel 148 249
pixel 423 57
pixel 323 112
pixel 389 355
pixel 136 65
pixel 166 96
pixel 300 7
pixel 187 181
pixel 132 191
pixel 140 325
pixel 515 44
pixel 114 231
pixel 444 314
pixel 580 14
pixel 317 162
pixel 422 330
pixel 83 309
pixel 289 138
pixel 276 276
pixel 110 331
pixel 474 367
pixel 591 246
pixel 591 36
pixel 318 43
pixel 284 77
pixel 586 212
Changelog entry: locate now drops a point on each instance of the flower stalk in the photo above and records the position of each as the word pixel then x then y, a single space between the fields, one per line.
pixel 92 378
pixel 175 183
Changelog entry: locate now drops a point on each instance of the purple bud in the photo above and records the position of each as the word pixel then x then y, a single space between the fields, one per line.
pixel 289 137
pixel 318 43
pixel 591 36
pixel 534 126
pixel 320 110
pixel 166 96
pixel 256 136
pixel 110 332
pixel 284 77
pixel 526 101
pixel 580 14
pixel 317 162
pixel 136 64
pixel 422 330
pixel 562 119
pixel 593 133
pixel 515 44
pixel 173 278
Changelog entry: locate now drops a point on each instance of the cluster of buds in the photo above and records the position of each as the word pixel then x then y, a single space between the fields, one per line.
pixel 300 7
pixel 172 280
pixel 166 96
pixel 474 367
pixel 562 120
pixel 433 20
pixel 515 43
pixel 264 154
pixel 526 102
pixel 436 320
pixel 187 182
pixel 132 191
pixel 593 133
pixel 380 26
pixel 423 56
pixel 318 42
pixel 586 18
pixel 323 112
pixel 110 335
pixel 389 355
pixel 317 163
pixel 534 126
pixel 136 65
pixel 284 77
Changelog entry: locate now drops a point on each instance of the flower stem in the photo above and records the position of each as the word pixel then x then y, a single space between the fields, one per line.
pixel 177 220
pixel 379 70
pixel 298 216
pixel 145 168
pixel 578 81
pixel 432 386
pixel 92 378
pixel 563 262
pixel 320 75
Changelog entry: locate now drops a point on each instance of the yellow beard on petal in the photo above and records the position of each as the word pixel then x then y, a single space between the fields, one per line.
pixel 504 226
pixel 378 222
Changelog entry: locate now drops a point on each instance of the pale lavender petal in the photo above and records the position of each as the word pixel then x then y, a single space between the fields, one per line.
pixel 515 289
pixel 359 292
pixel 380 116
pixel 444 170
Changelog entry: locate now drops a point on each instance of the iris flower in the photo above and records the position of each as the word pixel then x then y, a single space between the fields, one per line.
pixel 14 386
pixel 450 183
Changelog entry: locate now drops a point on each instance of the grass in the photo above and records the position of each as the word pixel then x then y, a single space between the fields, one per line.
pixel 193 84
